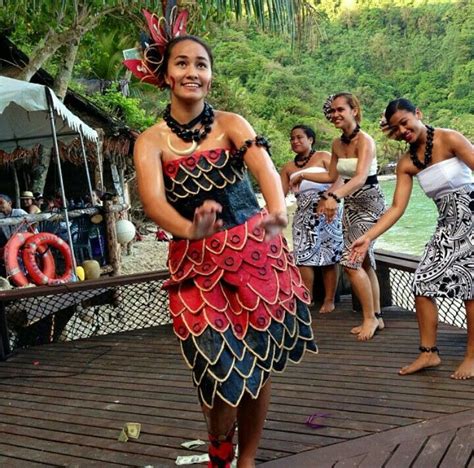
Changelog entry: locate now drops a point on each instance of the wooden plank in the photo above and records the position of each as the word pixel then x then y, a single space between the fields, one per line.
pixel 406 452
pixel 349 462
pixel 434 450
pixel 377 457
pixel 461 448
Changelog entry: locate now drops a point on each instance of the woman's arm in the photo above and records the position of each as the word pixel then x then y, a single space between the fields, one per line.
pixel 460 146
pixel 400 201
pixel 261 166
pixel 365 156
pixel 285 179
pixel 147 158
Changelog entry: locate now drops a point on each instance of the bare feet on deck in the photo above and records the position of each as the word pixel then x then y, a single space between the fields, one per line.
pixel 367 329
pixel 423 361
pixel 326 307
pixel 465 370
pixel 356 330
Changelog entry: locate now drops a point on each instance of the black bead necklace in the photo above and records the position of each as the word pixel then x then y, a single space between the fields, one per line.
pixel 428 149
pixel 346 139
pixel 185 131
pixel 302 161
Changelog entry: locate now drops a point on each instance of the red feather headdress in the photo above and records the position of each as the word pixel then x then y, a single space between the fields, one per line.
pixel 162 30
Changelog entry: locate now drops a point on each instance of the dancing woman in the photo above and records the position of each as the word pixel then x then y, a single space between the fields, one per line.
pixel 315 241
pixel 354 159
pixel 442 160
pixel 238 304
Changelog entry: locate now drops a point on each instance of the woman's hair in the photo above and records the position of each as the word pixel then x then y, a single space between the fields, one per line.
pixel 353 103
pixel 308 131
pixel 396 105
pixel 177 40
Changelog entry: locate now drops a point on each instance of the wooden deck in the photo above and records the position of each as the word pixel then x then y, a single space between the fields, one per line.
pixel 65 404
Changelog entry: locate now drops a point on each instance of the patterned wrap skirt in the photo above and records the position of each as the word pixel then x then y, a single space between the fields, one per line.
pixel 446 268
pixel 315 241
pixel 239 309
pixel 361 211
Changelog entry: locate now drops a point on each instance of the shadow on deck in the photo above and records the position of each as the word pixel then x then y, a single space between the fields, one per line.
pixel 65 404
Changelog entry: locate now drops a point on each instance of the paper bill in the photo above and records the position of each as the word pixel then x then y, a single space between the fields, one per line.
pixel 190 444
pixel 192 459
pixel 122 436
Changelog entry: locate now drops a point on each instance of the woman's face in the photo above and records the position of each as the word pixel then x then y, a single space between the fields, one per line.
pixel 406 125
pixel 342 113
pixel 189 71
pixel 300 142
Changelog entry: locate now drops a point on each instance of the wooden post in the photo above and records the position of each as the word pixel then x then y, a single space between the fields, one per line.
pixel 112 243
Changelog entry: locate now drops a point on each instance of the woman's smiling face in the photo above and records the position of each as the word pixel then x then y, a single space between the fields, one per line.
pixel 189 70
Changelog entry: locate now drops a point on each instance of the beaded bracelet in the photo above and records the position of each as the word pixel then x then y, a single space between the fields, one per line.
pixel 333 195
pixel 322 195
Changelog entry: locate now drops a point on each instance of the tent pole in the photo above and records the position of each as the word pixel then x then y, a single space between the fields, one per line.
pixel 89 183
pixel 60 173
pixel 100 160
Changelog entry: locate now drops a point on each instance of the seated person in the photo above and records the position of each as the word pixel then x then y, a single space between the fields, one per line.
pixel 7 211
pixel 28 202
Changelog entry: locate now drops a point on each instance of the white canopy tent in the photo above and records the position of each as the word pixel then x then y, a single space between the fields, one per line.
pixel 31 114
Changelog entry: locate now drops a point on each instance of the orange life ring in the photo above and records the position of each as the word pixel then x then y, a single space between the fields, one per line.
pixel 35 244
pixel 12 266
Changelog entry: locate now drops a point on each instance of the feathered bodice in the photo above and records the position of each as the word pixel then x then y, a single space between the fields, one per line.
pixel 217 174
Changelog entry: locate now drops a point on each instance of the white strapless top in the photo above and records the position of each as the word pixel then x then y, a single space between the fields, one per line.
pixel 347 167
pixel 445 176
pixel 306 185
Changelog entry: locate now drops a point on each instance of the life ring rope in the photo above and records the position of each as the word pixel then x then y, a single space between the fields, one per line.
pixel 36 244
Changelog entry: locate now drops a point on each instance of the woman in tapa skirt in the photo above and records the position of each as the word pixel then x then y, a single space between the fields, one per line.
pixel 353 158
pixel 442 160
pixel 316 243
pixel 237 300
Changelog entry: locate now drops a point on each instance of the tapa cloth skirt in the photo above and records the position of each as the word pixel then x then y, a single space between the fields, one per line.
pixel 361 211
pixel 315 241
pixel 239 309
pixel 446 268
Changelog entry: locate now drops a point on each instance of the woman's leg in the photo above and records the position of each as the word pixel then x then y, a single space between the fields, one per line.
pixel 362 288
pixel 466 368
pixel 427 316
pixel 374 282
pixel 220 420
pixel 251 418
pixel 329 273
pixel 307 275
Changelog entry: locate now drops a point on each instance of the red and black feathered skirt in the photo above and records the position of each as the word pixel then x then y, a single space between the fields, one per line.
pixel 239 309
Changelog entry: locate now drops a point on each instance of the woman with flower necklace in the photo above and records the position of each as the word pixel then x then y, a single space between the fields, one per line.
pixel 238 304
pixel 353 158
pixel 442 161
pixel 315 241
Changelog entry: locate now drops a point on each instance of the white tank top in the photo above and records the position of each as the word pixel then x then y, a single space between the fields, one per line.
pixel 306 185
pixel 347 167
pixel 443 177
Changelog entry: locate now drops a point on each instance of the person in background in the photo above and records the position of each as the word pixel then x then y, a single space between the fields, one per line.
pixel 234 287
pixel 7 211
pixel 28 202
pixel 354 159
pixel 442 160
pixel 316 243
pixel 40 201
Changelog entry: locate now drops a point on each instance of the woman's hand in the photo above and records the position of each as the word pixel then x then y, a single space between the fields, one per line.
pixel 359 249
pixel 273 223
pixel 295 182
pixel 205 222
pixel 330 209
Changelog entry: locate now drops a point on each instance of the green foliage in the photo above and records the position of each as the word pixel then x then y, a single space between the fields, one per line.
pixel 121 107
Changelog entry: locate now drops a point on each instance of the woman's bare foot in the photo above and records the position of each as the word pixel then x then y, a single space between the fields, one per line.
pixel 356 330
pixel 328 306
pixel 465 370
pixel 423 361
pixel 368 329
